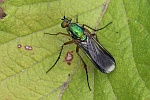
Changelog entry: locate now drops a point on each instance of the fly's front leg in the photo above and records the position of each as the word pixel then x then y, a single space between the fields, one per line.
pixel 96 29
pixel 93 34
pixel 58 34
pixel 85 67
pixel 69 42
pixel 77 19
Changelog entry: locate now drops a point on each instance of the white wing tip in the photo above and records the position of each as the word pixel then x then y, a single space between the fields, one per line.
pixel 110 69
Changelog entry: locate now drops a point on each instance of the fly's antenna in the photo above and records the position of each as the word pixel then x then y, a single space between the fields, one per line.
pixel 64 16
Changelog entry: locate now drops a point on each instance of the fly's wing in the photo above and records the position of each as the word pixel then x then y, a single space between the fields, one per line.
pixel 99 56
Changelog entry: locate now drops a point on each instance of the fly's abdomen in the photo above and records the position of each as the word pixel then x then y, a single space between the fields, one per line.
pixel 99 56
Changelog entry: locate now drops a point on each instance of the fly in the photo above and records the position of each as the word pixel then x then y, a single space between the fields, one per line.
pixel 89 44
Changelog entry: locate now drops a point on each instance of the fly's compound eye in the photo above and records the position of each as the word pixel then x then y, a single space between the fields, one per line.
pixel 64 24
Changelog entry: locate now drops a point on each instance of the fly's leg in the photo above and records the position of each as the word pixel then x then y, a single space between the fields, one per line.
pixel 69 42
pixel 96 29
pixel 77 19
pixel 85 67
pixel 58 34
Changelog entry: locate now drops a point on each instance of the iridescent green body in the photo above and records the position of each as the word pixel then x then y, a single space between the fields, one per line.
pixel 77 32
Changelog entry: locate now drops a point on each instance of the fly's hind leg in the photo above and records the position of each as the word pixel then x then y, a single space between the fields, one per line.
pixel 85 66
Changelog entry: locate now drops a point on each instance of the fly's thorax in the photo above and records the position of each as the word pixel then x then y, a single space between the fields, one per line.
pixel 76 31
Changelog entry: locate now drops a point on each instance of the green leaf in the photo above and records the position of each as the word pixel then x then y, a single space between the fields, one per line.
pixel 23 72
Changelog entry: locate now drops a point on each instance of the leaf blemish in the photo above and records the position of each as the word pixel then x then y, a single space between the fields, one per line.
pixel 2 14
pixel 69 57
pixel 19 45
pixel 28 47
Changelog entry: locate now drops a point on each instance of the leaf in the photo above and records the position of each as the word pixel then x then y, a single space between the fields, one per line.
pixel 23 72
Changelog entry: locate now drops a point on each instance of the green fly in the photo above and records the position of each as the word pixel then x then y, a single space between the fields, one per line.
pixel 89 44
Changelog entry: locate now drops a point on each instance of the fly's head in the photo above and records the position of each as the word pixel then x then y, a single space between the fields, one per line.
pixel 66 22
